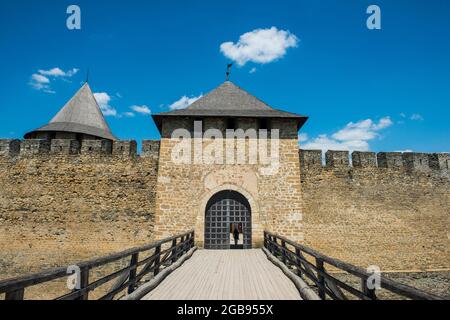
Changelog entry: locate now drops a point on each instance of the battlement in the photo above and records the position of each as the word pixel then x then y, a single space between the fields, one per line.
pixel 150 149
pixel 336 158
pixel 9 147
pixel 96 147
pixel 411 161
pixel 311 158
pixel 124 148
pixel 37 147
pixel 390 159
pixel 417 161
pixel 65 146
pixel 364 159
pixel 439 161
pixel 33 147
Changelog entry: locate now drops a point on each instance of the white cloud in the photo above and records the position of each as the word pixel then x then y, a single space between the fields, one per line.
pixel 252 70
pixel 141 109
pixel 416 117
pixel 41 80
pixel 323 142
pixel 184 102
pixel 57 72
pixel 354 136
pixel 302 137
pixel 259 46
pixel 363 130
pixel 128 114
pixel 383 124
pixel 404 151
pixel 103 100
pixel 413 117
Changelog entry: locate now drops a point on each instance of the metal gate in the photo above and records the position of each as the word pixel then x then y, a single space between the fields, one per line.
pixel 223 209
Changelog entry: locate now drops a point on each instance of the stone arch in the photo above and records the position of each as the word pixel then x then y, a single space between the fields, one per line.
pixel 235 208
pixel 257 229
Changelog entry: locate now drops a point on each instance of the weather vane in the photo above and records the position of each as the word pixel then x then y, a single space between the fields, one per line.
pixel 87 76
pixel 229 70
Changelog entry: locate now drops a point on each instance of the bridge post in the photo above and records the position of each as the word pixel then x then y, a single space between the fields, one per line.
pixel 15 295
pixel 321 278
pixel 265 240
pixel 183 247
pixel 283 252
pixel 365 289
pixel 174 250
pixel 84 282
pixel 297 259
pixel 157 259
pixel 274 244
pixel 132 276
pixel 191 240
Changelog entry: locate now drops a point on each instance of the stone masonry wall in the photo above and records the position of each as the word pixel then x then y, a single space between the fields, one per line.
pixel 58 206
pixel 61 202
pixel 391 210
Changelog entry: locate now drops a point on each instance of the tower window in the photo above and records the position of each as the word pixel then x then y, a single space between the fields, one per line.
pixel 231 124
pixel 264 124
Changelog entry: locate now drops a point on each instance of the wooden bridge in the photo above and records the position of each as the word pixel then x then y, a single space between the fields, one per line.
pixel 173 269
pixel 226 275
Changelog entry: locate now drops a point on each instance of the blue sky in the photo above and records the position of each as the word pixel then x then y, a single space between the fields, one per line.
pixel 384 90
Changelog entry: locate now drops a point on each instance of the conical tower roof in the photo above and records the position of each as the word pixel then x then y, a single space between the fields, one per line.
pixel 229 100
pixel 81 114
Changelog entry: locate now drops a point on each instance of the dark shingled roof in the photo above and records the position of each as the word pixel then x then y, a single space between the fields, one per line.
pixel 80 115
pixel 228 100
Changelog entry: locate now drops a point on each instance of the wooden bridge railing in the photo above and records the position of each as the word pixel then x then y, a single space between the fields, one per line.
pixel 311 264
pixel 126 278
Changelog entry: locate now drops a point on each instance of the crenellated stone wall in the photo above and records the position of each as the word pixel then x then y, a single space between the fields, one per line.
pixel 387 209
pixel 62 202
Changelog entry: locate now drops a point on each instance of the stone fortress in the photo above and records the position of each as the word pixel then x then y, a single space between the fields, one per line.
pixel 71 191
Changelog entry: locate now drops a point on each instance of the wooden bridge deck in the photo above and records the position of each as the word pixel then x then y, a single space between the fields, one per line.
pixel 226 275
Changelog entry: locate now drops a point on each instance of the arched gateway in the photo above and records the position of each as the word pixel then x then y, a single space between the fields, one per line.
pixel 225 211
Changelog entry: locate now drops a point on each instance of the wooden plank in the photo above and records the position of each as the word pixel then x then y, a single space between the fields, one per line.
pixel 226 275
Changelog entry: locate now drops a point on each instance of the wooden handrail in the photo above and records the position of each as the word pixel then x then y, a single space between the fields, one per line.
pixel 328 285
pixel 14 288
